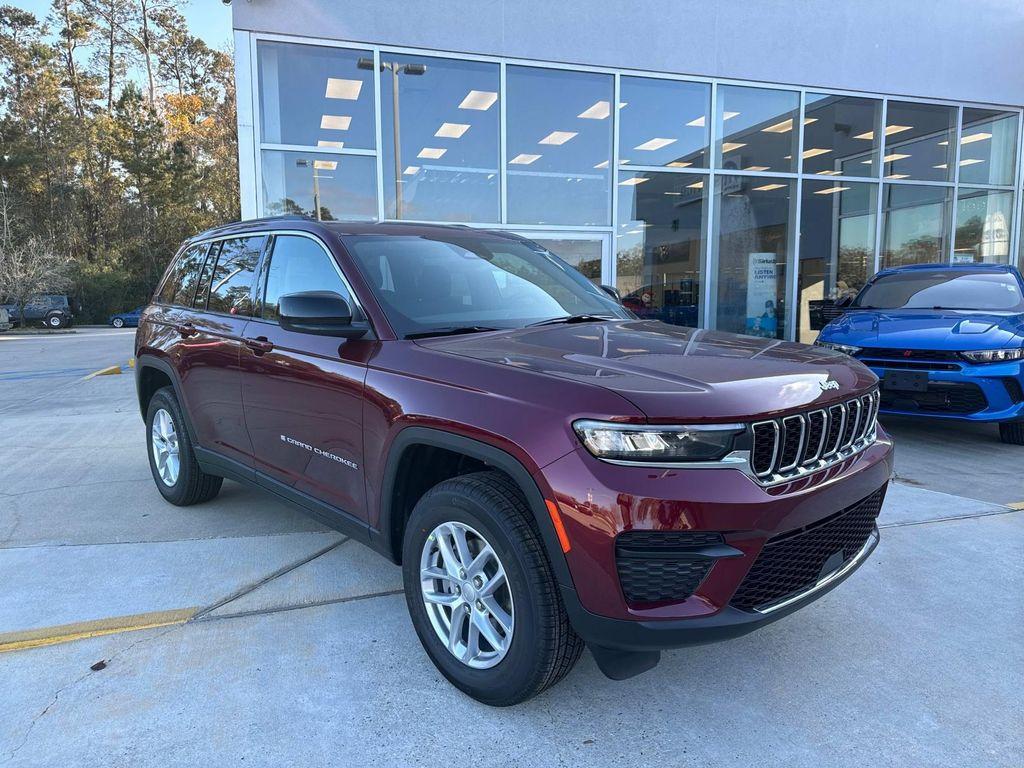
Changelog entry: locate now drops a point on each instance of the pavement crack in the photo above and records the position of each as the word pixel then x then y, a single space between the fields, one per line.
pixel 267 579
pixel 952 518
pixel 300 606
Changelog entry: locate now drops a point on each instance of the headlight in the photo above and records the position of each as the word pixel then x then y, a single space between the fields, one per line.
pixel 630 442
pixel 846 349
pixel 993 355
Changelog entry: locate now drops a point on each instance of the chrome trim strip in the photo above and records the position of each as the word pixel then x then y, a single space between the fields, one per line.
pixel 800 448
pixel 775 448
pixel 821 441
pixel 823 582
pixel 856 421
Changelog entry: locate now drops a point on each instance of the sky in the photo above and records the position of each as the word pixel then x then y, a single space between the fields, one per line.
pixel 208 19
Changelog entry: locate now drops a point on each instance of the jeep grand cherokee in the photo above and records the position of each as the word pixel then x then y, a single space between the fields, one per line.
pixel 550 471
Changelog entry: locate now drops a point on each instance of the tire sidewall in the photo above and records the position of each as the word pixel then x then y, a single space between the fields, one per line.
pixel 519 667
pixel 54 321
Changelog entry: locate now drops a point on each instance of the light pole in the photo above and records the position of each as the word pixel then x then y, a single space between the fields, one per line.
pixel 396 69
pixel 316 184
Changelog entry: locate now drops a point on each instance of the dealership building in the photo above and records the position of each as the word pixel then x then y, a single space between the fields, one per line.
pixel 733 165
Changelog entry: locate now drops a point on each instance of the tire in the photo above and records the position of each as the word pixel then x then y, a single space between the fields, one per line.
pixel 1012 432
pixel 189 485
pixel 541 647
pixel 54 320
pixel 117 322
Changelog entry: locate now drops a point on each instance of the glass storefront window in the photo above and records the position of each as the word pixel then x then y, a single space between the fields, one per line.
pixel 988 147
pixel 755 129
pixel 443 165
pixel 837 248
pixel 659 245
pixel 315 96
pixel 841 135
pixel 915 225
pixel 559 145
pixel 919 141
pixel 663 122
pixel 326 187
pixel 752 229
pixel 983 219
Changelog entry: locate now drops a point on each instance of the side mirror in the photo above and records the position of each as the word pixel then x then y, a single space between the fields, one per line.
pixel 322 313
pixel 612 291
pixel 845 301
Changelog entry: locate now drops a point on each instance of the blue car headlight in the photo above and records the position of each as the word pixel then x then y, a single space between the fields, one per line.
pixel 993 355
pixel 846 349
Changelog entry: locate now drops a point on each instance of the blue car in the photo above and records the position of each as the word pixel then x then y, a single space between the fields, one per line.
pixel 126 319
pixel 946 341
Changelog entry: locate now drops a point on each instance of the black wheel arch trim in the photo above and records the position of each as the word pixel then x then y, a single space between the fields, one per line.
pixel 490 455
pixel 152 361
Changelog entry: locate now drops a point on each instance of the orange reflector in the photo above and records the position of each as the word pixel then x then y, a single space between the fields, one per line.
pixel 556 518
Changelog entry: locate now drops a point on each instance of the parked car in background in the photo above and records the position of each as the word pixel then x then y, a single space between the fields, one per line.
pixel 5 320
pixel 128 319
pixel 946 340
pixel 50 310
pixel 550 470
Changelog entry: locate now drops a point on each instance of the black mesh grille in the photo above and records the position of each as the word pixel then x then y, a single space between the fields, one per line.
pixel 941 397
pixel 1014 390
pixel 764 448
pixel 659 566
pixel 793 561
pixel 791 442
pixel 906 354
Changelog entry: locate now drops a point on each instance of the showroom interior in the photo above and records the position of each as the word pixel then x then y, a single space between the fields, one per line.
pixel 721 202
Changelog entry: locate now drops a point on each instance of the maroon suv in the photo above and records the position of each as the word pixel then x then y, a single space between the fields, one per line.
pixel 549 470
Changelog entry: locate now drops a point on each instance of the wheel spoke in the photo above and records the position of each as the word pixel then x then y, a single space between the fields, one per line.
pixel 462 545
pixel 472 649
pixel 500 615
pixel 496 582
pixel 459 615
pixel 449 559
pixel 441 598
pixel 484 626
pixel 480 560
pixel 434 572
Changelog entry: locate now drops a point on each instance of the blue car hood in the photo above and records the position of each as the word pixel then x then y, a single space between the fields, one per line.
pixel 926 329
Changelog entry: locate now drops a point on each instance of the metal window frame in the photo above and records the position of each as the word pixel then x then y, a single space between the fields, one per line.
pixel 251 148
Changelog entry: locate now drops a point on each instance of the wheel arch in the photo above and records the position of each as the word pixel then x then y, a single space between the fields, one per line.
pixel 153 373
pixel 395 510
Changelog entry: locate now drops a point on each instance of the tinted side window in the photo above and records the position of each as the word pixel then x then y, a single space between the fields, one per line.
pixel 232 277
pixel 173 281
pixel 191 266
pixel 299 264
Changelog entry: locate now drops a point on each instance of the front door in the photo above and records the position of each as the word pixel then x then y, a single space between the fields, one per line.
pixel 303 394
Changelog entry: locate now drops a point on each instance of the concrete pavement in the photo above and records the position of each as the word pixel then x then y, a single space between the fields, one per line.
pixel 295 647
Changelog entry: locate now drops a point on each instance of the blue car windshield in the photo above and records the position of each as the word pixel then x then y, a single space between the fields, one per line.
pixel 943 289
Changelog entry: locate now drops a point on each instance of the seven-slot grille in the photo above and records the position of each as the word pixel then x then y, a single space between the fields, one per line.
pixel 807 441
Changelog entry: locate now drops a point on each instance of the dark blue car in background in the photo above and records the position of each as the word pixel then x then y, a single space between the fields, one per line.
pixel 947 342
pixel 126 319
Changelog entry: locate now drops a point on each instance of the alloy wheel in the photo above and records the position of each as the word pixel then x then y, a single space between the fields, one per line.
pixel 467 595
pixel 164 439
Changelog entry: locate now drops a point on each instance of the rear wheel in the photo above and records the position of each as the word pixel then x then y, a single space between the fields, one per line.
pixel 54 320
pixel 481 594
pixel 118 322
pixel 1012 432
pixel 171 458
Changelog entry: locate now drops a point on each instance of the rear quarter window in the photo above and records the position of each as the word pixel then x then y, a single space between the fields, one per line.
pixel 231 287
pixel 172 284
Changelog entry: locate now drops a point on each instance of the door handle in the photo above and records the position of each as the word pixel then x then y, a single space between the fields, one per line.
pixel 260 345
pixel 186 330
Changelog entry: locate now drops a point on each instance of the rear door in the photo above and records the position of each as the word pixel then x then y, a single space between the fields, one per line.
pixel 302 393
pixel 214 306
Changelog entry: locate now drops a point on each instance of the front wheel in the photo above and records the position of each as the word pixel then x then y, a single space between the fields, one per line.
pixel 481 594
pixel 1012 432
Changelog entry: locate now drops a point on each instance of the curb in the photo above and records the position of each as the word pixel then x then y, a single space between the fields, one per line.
pixel 63 633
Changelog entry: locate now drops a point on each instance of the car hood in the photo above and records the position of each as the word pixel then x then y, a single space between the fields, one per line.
pixel 950 330
pixel 670 372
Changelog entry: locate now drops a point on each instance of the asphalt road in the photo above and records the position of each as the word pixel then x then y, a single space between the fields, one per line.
pixel 273 641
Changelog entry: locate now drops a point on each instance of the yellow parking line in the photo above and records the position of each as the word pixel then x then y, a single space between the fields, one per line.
pixel 65 633
pixel 108 371
pixel 1016 505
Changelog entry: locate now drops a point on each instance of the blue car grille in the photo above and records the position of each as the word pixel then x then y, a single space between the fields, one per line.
pixel 953 397
pixel 910 359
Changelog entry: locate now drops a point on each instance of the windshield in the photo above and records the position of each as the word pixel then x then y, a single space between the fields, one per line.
pixel 477 281
pixel 943 289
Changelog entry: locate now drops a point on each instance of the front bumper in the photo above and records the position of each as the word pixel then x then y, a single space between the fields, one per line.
pixel 597 501
pixel 994 381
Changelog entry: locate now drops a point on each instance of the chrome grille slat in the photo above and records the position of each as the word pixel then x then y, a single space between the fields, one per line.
pixel 846 428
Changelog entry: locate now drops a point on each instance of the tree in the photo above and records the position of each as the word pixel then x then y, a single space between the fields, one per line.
pixel 28 267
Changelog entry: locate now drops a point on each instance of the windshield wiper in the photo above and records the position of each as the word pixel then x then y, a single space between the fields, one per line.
pixel 451 331
pixel 573 319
